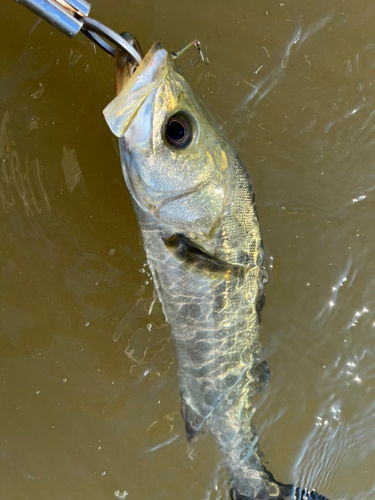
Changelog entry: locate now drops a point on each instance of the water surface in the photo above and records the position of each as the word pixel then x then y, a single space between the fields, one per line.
pixel 88 384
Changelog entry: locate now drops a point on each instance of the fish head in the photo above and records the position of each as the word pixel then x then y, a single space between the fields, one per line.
pixel 174 156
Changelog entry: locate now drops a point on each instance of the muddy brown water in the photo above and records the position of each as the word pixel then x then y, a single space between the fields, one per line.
pixel 89 404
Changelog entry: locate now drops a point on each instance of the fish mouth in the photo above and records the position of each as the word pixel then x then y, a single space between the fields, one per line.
pixel 133 85
pixel 125 65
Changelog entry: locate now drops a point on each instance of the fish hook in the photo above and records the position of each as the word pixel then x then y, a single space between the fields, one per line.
pixel 201 56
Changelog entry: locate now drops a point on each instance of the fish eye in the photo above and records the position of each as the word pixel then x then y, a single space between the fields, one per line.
pixel 179 131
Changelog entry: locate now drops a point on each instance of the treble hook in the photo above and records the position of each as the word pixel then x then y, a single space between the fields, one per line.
pixel 194 43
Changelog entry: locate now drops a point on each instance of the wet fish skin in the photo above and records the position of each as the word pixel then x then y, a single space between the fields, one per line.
pixel 197 214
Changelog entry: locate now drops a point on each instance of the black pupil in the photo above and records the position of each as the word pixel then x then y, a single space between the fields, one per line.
pixel 176 130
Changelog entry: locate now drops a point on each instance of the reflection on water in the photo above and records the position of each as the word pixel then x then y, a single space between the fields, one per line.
pixel 88 382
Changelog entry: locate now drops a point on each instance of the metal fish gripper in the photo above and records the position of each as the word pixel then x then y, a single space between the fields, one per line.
pixel 71 17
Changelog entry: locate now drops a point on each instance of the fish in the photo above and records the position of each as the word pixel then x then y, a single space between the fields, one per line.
pixel 196 210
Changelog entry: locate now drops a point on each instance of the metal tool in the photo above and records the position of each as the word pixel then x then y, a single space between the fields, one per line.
pixel 71 17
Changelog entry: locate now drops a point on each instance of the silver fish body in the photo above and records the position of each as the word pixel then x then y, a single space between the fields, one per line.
pixel 196 210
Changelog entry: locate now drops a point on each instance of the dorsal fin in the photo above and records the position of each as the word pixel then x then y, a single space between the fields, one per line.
pixel 198 260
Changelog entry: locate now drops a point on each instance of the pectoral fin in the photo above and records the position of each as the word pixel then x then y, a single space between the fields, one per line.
pixel 198 260
pixel 193 420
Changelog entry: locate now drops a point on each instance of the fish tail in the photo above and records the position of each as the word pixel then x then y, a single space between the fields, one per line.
pixel 232 429
pixel 285 492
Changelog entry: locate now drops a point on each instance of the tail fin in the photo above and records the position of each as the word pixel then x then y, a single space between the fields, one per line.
pixel 286 492
pixel 308 495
